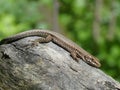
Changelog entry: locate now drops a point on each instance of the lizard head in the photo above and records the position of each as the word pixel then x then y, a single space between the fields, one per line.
pixel 93 61
pixel 89 59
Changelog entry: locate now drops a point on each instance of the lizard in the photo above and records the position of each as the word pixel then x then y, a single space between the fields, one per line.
pixel 76 52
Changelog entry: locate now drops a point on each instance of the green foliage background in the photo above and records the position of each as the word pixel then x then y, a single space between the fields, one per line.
pixel 76 21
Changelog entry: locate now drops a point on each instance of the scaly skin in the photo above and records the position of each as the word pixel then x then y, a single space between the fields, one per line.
pixel 75 51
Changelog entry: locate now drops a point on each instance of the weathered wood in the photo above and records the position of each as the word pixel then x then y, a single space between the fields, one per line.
pixel 47 67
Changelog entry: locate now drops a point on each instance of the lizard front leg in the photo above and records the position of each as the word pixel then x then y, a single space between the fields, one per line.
pixel 76 56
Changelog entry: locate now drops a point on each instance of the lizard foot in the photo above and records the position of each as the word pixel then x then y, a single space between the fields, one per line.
pixel 74 56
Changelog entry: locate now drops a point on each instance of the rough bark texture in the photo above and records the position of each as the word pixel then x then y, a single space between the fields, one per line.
pixel 47 67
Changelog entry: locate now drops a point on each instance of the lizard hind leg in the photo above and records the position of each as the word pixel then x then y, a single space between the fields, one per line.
pixel 42 40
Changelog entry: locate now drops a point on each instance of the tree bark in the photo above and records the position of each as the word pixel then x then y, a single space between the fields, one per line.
pixel 47 66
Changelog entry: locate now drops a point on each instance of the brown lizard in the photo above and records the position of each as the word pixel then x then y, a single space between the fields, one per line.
pixel 75 51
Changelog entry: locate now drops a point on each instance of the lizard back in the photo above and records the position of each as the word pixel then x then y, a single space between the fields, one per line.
pixel 58 39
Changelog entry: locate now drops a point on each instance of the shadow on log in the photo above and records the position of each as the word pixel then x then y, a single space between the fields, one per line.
pixel 47 67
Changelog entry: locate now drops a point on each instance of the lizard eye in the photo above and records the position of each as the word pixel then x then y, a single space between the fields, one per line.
pixel 88 59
